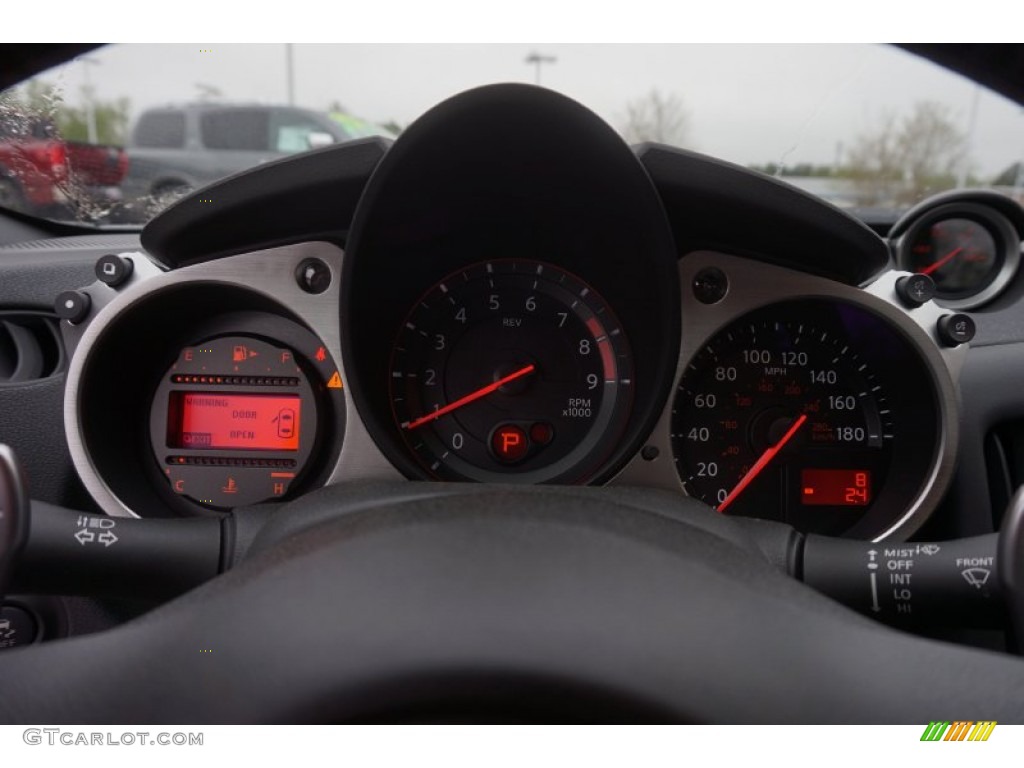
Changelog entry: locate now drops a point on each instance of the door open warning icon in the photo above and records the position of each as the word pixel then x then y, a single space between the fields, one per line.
pixel 285 421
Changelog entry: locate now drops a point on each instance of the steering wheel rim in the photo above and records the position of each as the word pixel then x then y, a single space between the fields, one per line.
pixel 395 602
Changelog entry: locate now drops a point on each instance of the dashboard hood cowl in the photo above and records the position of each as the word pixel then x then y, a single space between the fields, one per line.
pixel 315 195
pixel 310 196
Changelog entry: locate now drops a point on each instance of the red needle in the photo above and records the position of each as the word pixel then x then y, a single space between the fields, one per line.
pixel 762 462
pixel 944 260
pixel 471 397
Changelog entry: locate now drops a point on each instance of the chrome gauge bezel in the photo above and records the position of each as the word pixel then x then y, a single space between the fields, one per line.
pixel 270 273
pixel 753 285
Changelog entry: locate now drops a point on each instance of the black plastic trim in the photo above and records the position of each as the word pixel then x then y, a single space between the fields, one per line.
pixel 311 196
pixel 716 205
pixel 35 348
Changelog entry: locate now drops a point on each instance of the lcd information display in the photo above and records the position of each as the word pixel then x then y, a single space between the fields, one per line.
pixel 217 421
pixel 835 487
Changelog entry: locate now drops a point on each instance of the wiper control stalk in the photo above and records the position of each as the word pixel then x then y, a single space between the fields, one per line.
pixel 947 583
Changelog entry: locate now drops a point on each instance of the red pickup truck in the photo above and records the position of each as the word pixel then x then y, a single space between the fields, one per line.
pixel 42 174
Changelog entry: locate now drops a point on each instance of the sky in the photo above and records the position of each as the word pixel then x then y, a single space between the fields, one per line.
pixel 749 104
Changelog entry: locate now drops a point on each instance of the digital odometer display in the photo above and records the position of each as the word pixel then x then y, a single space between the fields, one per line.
pixel 835 487
pixel 810 412
pixel 216 421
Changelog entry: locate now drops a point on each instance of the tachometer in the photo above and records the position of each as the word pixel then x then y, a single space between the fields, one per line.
pixel 512 369
pixel 794 413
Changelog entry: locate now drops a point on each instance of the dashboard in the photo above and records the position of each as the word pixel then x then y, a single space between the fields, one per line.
pixel 536 307
pixel 376 374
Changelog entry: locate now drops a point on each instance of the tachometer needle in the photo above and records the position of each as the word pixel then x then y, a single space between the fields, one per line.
pixel 944 260
pixel 471 397
pixel 762 462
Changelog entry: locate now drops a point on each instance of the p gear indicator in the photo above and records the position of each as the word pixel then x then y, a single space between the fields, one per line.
pixel 509 443
pixel 234 420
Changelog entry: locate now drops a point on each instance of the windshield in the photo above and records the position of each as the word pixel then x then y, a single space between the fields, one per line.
pixel 116 135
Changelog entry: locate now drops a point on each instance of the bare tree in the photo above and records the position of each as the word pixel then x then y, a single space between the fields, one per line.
pixel 900 161
pixel 933 147
pixel 656 117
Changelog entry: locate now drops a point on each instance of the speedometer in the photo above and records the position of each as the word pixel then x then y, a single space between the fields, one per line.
pixel 512 369
pixel 803 412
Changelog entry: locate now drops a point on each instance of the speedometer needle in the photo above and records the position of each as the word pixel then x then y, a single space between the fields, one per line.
pixel 944 260
pixel 762 462
pixel 471 397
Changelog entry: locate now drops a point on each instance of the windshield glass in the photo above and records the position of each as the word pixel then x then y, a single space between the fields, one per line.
pixel 116 135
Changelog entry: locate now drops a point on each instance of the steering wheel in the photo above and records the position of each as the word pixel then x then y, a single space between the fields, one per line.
pixel 429 602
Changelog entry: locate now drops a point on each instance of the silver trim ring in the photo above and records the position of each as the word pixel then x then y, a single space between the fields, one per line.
pixel 753 285
pixel 270 273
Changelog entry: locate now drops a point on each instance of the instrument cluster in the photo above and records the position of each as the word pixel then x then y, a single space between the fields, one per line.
pixel 545 314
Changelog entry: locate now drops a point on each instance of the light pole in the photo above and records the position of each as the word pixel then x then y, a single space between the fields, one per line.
pixel 539 60
pixel 90 100
pixel 971 122
pixel 290 69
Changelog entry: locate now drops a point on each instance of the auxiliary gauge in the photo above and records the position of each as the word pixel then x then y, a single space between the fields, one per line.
pixel 970 251
pixel 511 370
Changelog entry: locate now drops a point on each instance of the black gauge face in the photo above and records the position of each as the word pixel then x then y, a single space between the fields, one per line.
pixel 791 413
pixel 511 370
pixel 959 254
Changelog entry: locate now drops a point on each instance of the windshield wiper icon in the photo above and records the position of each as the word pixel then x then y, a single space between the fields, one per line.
pixel 976 577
